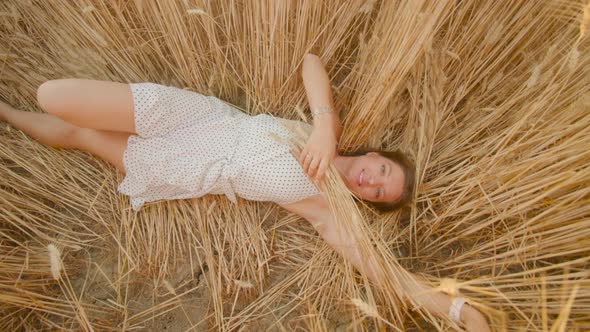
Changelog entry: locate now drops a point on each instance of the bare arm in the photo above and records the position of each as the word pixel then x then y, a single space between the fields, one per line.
pixel 319 93
pixel 321 146
pixel 316 211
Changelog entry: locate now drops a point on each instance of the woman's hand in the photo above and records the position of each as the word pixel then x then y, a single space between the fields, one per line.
pixel 319 151
pixel 474 320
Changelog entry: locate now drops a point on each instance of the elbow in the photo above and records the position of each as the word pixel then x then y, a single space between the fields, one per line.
pixel 310 58
pixel 310 62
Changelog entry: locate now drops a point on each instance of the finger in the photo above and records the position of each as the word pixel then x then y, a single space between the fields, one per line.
pixel 306 163
pixel 303 154
pixel 301 159
pixel 322 169
pixel 313 167
pixel 304 157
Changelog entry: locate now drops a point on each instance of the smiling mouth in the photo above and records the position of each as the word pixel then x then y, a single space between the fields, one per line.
pixel 360 178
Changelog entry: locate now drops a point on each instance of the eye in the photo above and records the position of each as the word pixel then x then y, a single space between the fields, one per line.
pixel 383 169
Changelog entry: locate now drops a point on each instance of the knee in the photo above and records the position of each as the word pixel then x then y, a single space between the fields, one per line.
pixel 51 94
pixel 72 137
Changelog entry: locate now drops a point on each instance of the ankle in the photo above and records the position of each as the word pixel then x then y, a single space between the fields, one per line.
pixel 4 110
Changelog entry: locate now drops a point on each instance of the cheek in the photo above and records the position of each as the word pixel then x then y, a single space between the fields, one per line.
pixel 356 167
pixel 365 194
pixel 359 192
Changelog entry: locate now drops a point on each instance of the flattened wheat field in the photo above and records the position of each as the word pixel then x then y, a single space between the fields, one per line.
pixel 490 98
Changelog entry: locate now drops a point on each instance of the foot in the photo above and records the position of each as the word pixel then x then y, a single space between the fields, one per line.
pixel 4 107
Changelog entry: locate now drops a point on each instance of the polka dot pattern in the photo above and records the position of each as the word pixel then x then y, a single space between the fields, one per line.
pixel 269 171
pixel 189 145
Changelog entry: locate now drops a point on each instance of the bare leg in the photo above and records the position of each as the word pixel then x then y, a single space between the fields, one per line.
pixel 47 129
pixel 101 105
pixel 52 131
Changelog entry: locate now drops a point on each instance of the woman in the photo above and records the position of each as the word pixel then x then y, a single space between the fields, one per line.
pixel 173 144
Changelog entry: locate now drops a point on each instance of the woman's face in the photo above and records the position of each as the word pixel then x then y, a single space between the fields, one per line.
pixel 375 178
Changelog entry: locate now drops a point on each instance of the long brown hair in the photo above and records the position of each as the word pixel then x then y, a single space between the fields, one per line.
pixel 407 167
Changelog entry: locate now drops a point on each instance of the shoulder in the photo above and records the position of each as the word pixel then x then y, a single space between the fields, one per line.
pixel 311 208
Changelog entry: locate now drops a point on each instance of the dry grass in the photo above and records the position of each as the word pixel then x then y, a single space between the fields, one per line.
pixel 491 98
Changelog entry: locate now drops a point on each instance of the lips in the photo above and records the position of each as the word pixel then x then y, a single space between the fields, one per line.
pixel 360 178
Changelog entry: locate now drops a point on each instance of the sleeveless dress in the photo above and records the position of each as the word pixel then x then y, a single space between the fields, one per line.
pixel 188 145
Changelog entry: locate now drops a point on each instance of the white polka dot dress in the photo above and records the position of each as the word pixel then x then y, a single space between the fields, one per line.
pixel 189 145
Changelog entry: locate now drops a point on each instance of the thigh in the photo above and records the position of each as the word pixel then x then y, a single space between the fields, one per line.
pixel 107 145
pixel 101 105
pixel 161 110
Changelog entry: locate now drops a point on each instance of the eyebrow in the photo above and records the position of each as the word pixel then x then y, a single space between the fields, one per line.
pixel 388 175
pixel 389 167
pixel 382 189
